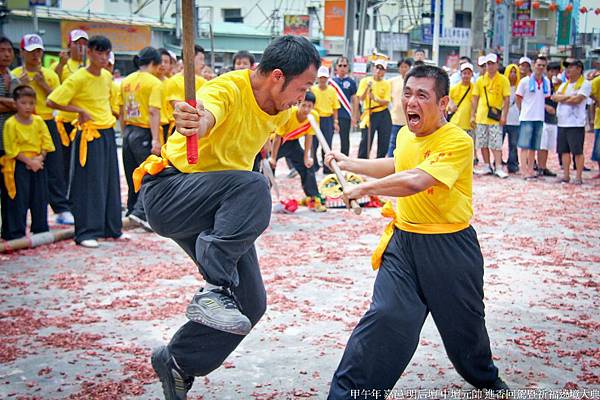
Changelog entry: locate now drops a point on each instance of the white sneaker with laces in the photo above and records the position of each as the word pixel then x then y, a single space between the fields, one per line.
pixel 89 243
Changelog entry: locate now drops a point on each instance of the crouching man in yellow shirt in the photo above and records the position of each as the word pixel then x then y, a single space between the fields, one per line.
pixel 95 191
pixel 216 209
pixel 429 258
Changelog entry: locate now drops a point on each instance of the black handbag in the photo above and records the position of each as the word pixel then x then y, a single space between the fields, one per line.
pixel 493 112
pixel 450 115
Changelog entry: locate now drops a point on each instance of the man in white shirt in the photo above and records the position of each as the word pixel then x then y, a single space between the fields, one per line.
pixel 531 100
pixel 571 97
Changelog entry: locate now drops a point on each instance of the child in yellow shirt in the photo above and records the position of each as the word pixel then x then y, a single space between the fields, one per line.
pixel 327 105
pixel 26 143
pixel 286 144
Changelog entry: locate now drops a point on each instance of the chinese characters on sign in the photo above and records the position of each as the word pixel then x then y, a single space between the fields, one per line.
pixel 523 28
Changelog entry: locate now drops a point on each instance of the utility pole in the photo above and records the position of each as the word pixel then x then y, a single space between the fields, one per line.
pixel 349 42
pixel 361 28
pixel 178 19
pixel 477 26
pixel 435 48
pixel 36 27
pixel 507 34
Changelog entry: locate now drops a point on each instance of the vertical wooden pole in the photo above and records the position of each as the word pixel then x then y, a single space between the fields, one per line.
pixel 188 13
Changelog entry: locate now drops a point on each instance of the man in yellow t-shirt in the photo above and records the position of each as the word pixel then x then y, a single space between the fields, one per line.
pixel 141 138
pixel 396 111
pixel 491 89
pixel 429 258
pixel 376 94
pixel 286 144
pixel 216 209
pixel 95 188
pixel 327 105
pixel 69 61
pixel 596 148
pixel 44 81
pixel 460 101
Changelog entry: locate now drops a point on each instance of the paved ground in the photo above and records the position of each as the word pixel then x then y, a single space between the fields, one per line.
pixel 80 324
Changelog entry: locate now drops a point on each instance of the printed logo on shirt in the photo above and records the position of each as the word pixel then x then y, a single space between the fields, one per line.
pixel 346 84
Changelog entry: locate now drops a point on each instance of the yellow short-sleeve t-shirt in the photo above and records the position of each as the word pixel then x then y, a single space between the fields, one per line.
pixel 462 116
pixel 174 89
pixel 115 98
pixel 596 94
pixel 294 129
pixel 241 127
pixel 381 89
pixel 89 92
pixel 70 67
pixel 135 92
pixel 497 89
pixel 446 155
pixel 159 100
pixel 19 137
pixel 51 79
pixel 326 101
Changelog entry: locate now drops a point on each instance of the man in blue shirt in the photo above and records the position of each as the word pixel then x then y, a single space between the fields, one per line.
pixel 345 87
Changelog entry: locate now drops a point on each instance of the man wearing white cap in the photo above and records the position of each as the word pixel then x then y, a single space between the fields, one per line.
pixel 481 64
pixel 489 112
pixel 531 96
pixel 70 61
pixel 376 94
pixel 327 105
pixel 44 81
pixel 73 58
pixel 525 66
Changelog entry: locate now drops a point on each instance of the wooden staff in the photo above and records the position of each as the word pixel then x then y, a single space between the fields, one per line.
pixel 189 74
pixel 338 172
pixel 39 239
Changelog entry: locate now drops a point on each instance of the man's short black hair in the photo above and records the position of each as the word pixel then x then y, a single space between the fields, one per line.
pixel 442 83
pixel 407 61
pixel 419 51
pixel 465 58
pixel 23 91
pixel 197 49
pixel 244 54
pixel 553 65
pixel 148 55
pixel 4 39
pixel 291 54
pixel 165 52
pixel 99 43
pixel 310 96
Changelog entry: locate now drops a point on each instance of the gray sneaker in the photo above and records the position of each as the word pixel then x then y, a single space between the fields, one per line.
pixel 175 384
pixel 218 309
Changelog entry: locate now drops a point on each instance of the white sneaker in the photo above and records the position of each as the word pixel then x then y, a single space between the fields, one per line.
pixel 124 236
pixel 487 170
pixel 65 218
pixel 500 173
pixel 89 243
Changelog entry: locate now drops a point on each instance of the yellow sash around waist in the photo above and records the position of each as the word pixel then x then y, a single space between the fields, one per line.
pixel 8 171
pixel 65 137
pixel 89 132
pixel 432 229
pixel 152 165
